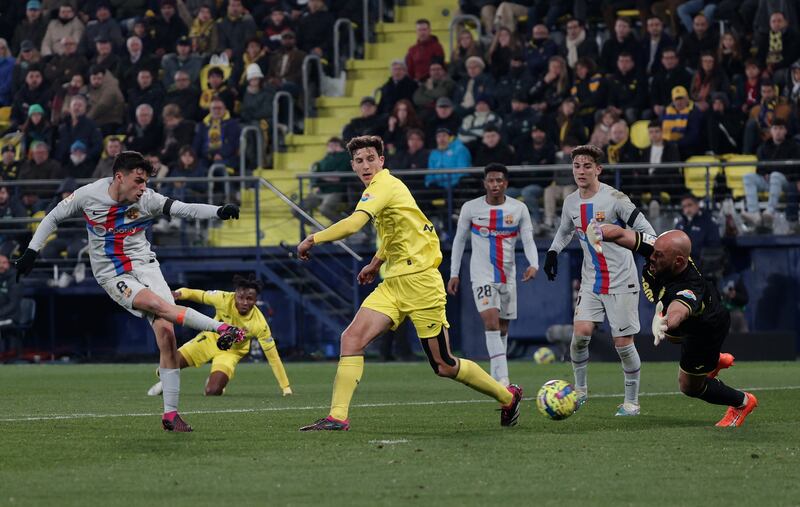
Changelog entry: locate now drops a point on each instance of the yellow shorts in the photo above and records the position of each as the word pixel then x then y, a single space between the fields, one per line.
pixel 203 348
pixel 419 296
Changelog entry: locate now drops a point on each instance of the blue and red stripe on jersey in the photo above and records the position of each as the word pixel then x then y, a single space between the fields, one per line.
pixel 601 279
pixel 116 230
pixel 496 234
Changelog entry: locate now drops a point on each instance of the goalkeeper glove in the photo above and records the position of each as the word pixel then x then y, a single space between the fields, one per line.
pixel 594 235
pixel 24 264
pixel 659 324
pixel 228 211
pixel 551 265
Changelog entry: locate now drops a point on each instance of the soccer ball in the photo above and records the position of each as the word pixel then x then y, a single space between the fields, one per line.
pixel 557 399
pixel 544 355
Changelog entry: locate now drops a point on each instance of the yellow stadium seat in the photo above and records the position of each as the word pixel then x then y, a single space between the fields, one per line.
pixel 5 117
pixel 734 174
pixel 695 177
pixel 628 13
pixel 226 73
pixel 639 135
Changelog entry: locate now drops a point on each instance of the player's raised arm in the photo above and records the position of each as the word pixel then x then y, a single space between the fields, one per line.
pixel 340 230
pixel 459 242
pixel 172 208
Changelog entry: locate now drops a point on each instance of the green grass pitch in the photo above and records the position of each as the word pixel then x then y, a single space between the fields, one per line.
pixel 88 435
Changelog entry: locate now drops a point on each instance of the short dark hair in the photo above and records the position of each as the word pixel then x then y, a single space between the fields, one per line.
pixel 779 122
pixel 251 281
pixel 589 150
pixel 337 140
pixel 415 132
pixel 669 49
pixel 422 21
pixel 691 197
pixel 624 20
pixel 127 161
pixel 360 142
pixel 625 54
pixel 216 71
pixel 654 124
pixel 495 167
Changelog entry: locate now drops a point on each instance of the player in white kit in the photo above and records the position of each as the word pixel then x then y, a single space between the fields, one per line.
pixel 118 210
pixel 493 223
pixel 609 280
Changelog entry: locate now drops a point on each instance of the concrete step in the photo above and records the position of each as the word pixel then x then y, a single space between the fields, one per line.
pixel 364 87
pixel 442 25
pixel 344 113
pixel 338 101
pixel 326 126
pixel 433 13
pixel 306 139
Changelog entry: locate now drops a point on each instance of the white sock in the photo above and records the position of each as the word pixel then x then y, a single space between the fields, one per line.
pixel 497 355
pixel 631 367
pixel 171 381
pixel 579 352
pixel 196 320
pixel 504 339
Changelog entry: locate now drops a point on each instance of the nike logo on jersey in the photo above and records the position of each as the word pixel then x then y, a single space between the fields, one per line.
pixel 96 213
pixel 575 218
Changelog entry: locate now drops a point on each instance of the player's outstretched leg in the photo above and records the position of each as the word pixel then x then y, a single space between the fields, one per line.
pixel 631 368
pixel 712 390
pixel 170 373
pixel 579 353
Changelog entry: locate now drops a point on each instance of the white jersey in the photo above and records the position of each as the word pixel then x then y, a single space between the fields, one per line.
pixel 117 240
pixel 493 231
pixel 614 270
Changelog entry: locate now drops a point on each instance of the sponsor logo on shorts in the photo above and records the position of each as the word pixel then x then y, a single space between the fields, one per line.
pixel 123 289
pixel 687 294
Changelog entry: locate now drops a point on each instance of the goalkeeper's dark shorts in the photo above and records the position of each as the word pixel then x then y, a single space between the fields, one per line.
pixel 700 354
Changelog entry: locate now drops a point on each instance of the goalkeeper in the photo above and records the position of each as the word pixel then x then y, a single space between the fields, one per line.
pixel 688 311
pixel 239 307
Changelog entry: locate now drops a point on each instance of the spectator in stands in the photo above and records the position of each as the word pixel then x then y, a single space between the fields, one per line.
pixel 620 150
pixel 6 74
pixel 590 90
pixel 40 166
pixel 536 149
pixel 69 241
pixel 141 29
pixel 168 28
pixel 735 299
pixel 411 156
pixel 761 13
pixel 567 124
pixel 485 9
pixel 577 44
pixel 102 27
pixel 106 164
pixel 217 87
pixel 444 117
pixel 791 86
pixel 144 134
pixel 10 208
pixel 778 147
pixel 234 30
pixel 421 54
pixel 9 166
pixel 217 137
pixel 10 290
pixel 467 48
pixel 657 185
pixel 106 103
pixel 683 123
pixel 66 25
pixel 146 91
pixel 649 56
pixel 778 48
pixel 504 44
pixel 127 10
pixel 437 85
pixel 697 41
pixel 136 60
pixel 78 165
pixel 187 166
pixel 181 59
pixel 748 91
pixel 399 122
pixel 286 66
pixel 63 97
pixel 62 66
pixel 518 80
pixel 256 54
pixel 698 225
pixel 602 129
pixel 696 8
pixel 447 155
pixel 28 56
pixel 475 83
pixel 203 32
pixel 610 10
pixel 520 121
pixel 473 125
pixel 708 79
pixel 770 107
pixel 729 56
pixel 314 29
pixel 257 98
pixel 328 192
pixel 369 123
pixel 178 132
pixel 32 28
pixel 623 40
pixel 37 127
pixel 659 151
pixel 724 126
pixel 185 96
pixel 104 56
pixel 399 86
pixel 561 185
pixel 627 88
pixel 553 87
pixel 539 50
pixel 493 148
pixel 277 23
pixel 78 127
pixel 672 74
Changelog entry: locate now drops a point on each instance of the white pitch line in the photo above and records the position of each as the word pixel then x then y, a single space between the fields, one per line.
pixel 389 442
pixel 59 417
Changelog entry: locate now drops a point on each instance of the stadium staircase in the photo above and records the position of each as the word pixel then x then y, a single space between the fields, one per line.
pixel 364 77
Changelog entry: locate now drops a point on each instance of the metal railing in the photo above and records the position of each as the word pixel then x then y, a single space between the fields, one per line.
pixel 215 168
pixel 306 94
pixel 459 20
pixel 365 21
pixel 243 150
pixel 276 102
pixel 351 44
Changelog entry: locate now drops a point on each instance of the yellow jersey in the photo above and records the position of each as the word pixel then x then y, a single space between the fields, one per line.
pixel 407 239
pixel 225 304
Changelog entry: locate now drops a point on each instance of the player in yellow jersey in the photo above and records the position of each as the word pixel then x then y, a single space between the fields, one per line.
pixel 239 307
pixel 412 287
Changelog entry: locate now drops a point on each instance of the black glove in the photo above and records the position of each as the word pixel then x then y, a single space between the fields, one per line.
pixel 551 265
pixel 24 264
pixel 225 341
pixel 228 211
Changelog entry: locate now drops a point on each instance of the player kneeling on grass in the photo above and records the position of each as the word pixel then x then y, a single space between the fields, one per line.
pixel 694 316
pixel 238 307
pixel 412 287
pixel 118 210
pixel 494 222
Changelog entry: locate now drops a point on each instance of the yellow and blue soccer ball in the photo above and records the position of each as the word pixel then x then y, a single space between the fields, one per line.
pixel 544 355
pixel 557 399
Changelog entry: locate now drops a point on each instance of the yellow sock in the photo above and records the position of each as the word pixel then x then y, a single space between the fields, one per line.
pixel 277 367
pixel 472 375
pixel 348 375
